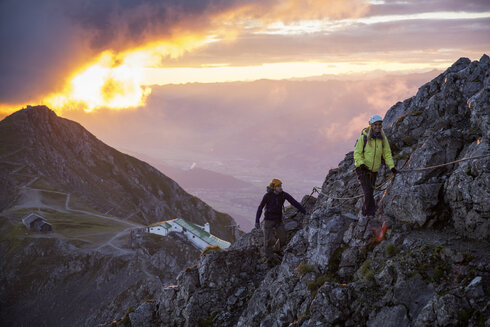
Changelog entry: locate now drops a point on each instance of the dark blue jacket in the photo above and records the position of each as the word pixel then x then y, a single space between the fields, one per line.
pixel 273 205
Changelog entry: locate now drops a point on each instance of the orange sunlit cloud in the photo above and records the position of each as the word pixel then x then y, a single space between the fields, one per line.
pixel 260 15
pixel 116 81
pixel 102 85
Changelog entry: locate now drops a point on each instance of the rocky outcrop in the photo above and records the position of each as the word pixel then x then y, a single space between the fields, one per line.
pixel 410 267
pixel 410 278
pixel 447 120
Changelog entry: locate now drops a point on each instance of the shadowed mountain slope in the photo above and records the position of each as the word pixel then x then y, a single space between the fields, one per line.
pixel 67 158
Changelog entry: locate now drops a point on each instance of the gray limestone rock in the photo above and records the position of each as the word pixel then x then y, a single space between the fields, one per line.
pixel 413 293
pixel 330 305
pixel 447 308
pixel 324 237
pixel 390 317
pixel 475 289
pixel 145 315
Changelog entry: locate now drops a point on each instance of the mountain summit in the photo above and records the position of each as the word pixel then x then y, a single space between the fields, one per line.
pixel 61 155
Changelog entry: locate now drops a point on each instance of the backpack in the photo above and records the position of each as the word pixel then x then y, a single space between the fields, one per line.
pixel 269 191
pixel 365 141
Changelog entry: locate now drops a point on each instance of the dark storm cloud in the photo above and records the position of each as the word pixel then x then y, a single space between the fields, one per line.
pixel 111 22
pixel 42 41
pixel 35 42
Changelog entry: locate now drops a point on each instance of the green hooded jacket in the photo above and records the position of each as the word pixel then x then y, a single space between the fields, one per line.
pixel 372 152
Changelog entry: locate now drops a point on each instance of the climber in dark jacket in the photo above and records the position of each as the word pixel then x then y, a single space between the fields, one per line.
pixel 273 202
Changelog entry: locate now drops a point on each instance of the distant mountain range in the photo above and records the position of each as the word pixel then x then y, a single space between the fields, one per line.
pixel 194 177
pixel 204 178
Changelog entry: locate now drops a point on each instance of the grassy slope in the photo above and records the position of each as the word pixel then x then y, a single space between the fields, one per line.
pixel 92 229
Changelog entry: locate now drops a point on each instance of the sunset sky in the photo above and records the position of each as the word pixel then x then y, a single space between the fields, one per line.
pixel 91 54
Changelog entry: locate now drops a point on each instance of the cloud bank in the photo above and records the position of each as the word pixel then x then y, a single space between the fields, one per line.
pixel 296 129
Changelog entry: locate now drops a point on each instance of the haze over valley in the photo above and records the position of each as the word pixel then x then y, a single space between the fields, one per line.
pixel 252 131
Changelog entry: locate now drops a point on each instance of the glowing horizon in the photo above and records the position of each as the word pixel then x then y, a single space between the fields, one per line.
pixel 275 71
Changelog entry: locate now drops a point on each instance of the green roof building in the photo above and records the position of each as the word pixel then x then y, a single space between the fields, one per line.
pixel 199 235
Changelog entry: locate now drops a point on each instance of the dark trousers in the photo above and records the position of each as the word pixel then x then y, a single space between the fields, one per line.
pixel 368 182
pixel 273 232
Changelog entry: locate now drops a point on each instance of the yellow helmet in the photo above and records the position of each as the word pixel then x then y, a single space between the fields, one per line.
pixel 275 182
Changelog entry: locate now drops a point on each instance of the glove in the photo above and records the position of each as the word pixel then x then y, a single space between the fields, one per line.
pixel 394 171
pixel 257 225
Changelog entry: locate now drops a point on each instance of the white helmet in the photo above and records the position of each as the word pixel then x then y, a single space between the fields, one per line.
pixel 375 118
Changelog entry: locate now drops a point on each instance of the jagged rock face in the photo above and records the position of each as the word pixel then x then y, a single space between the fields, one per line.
pixel 218 286
pixel 236 288
pixel 70 159
pixel 221 286
pixel 412 279
pixel 284 293
pixel 338 270
pixel 446 120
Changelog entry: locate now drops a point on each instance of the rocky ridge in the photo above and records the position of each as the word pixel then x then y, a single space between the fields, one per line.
pixel 447 120
pixel 430 268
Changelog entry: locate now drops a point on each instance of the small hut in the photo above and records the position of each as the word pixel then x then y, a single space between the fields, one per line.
pixel 35 222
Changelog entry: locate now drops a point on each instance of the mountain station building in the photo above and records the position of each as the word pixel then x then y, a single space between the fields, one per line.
pixel 35 222
pixel 198 235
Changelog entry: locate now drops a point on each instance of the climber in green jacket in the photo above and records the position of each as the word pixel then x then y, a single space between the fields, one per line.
pixel 370 147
